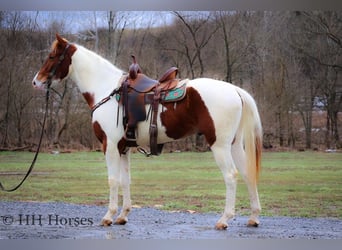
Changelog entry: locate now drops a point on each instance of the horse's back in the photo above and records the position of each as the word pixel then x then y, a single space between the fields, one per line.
pixel 216 94
pixel 223 103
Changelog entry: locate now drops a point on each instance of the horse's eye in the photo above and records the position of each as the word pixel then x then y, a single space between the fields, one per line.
pixel 51 57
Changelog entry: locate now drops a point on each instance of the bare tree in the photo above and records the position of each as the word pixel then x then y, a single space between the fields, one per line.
pixel 117 23
pixel 290 61
pixel 320 47
pixel 237 35
pixel 195 36
pixel 14 78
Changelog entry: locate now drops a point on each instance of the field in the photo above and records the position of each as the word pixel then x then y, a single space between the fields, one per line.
pixel 300 184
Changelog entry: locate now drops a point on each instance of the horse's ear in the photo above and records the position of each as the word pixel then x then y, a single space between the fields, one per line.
pixel 59 38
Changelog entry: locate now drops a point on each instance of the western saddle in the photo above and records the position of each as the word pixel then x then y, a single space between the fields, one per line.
pixel 138 90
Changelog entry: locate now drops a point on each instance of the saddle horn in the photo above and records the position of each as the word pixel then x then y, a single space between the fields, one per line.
pixel 134 69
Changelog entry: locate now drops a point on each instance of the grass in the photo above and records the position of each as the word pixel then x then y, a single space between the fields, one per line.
pixel 305 184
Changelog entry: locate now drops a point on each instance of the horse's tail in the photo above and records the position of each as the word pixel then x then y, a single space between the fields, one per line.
pixel 252 134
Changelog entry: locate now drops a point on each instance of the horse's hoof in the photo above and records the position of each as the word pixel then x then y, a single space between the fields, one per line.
pixel 121 221
pixel 252 223
pixel 106 222
pixel 221 226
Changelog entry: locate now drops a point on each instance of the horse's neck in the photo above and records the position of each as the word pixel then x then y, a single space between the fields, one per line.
pixel 95 76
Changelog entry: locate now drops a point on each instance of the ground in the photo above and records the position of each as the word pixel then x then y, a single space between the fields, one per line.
pixel 33 220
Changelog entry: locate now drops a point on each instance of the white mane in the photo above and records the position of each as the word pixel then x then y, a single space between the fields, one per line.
pixel 93 73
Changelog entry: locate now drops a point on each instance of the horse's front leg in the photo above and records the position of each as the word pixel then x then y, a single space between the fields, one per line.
pixel 125 181
pixel 113 168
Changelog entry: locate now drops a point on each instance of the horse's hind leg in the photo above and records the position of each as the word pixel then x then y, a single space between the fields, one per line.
pixel 239 157
pixel 125 180
pixel 225 162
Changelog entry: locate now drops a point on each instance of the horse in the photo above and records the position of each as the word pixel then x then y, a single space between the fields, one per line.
pixel 225 114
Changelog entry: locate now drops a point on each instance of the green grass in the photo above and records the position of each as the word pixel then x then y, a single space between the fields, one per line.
pixel 306 184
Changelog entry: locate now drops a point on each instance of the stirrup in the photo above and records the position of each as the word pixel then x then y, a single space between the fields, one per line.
pixel 131 140
pixel 130 134
pixel 143 151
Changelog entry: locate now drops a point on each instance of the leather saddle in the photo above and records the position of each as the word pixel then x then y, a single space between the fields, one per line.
pixel 139 90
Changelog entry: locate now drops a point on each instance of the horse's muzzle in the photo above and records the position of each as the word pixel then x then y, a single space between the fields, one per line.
pixel 37 84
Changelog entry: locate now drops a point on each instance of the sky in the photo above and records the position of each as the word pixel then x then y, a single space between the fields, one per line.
pixel 75 21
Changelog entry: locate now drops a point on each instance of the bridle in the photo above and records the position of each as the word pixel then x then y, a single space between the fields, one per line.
pixel 48 82
pixel 53 70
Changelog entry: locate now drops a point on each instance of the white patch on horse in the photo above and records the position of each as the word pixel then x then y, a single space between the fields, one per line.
pixel 231 112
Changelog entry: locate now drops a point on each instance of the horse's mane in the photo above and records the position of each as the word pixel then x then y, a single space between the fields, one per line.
pixel 100 60
pixel 99 57
pixel 55 43
pixel 106 64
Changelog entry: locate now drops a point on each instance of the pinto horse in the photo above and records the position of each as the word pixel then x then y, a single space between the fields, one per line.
pixel 225 114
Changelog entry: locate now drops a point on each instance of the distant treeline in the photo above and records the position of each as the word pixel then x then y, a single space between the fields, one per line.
pixel 291 62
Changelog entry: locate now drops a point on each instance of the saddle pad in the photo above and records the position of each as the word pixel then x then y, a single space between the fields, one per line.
pixel 175 94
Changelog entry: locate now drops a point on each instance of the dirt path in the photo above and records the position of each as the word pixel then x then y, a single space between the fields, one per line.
pixel 31 220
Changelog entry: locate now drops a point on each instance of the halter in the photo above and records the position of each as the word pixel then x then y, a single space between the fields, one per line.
pixel 52 72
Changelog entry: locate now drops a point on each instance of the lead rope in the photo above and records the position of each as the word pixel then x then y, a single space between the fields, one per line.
pixel 39 144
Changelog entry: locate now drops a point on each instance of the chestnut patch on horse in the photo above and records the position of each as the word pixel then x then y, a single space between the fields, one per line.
pixel 188 116
pixel 101 135
pixel 122 145
pixel 53 59
pixel 63 68
pixel 89 98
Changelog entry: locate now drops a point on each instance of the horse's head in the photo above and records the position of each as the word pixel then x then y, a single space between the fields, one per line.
pixel 57 65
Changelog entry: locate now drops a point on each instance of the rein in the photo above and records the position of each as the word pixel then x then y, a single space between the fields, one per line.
pixel 48 83
pixel 104 100
pixel 39 144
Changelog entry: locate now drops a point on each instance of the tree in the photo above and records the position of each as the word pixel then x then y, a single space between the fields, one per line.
pixel 196 34
pixel 117 23
pixel 15 72
pixel 322 54
pixel 291 62
pixel 238 38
